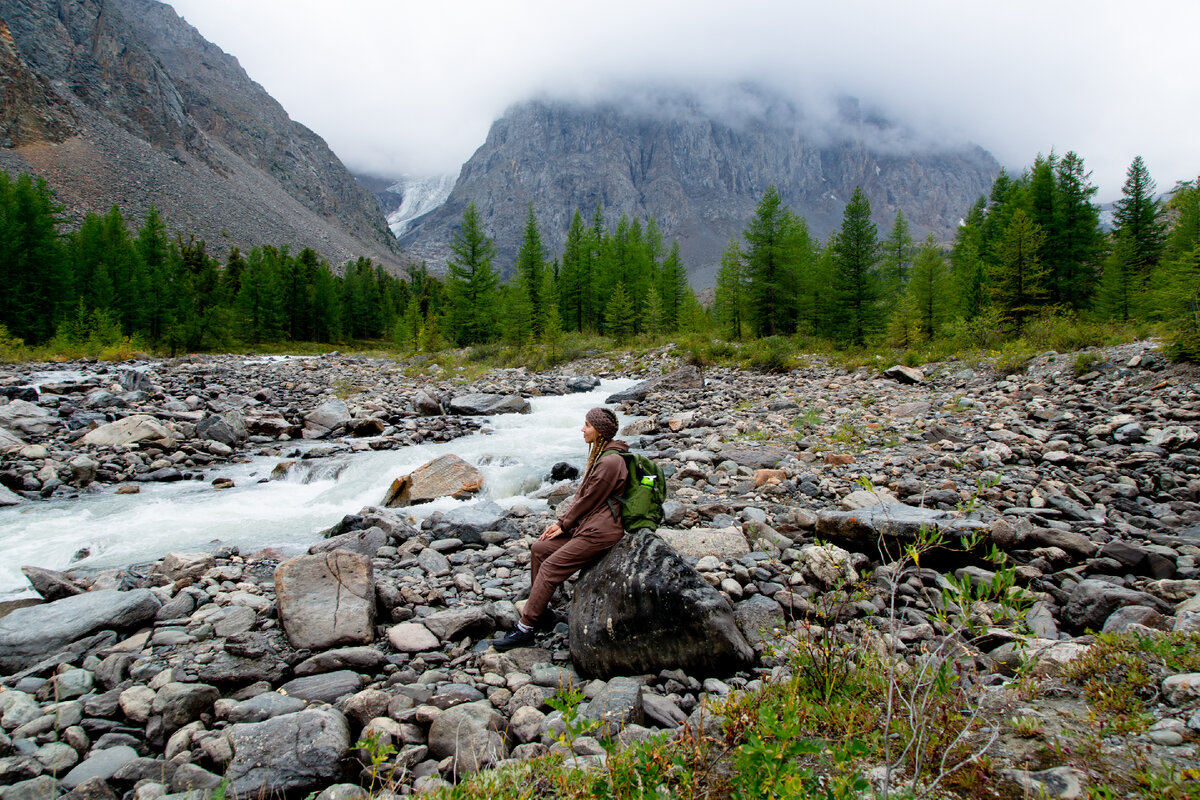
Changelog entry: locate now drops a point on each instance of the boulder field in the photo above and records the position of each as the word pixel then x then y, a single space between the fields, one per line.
pixel 166 678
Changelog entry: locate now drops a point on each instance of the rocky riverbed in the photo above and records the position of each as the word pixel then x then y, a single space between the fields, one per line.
pixel 164 678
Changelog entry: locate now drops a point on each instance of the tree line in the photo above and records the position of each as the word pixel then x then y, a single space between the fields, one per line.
pixel 1034 245
pixel 103 281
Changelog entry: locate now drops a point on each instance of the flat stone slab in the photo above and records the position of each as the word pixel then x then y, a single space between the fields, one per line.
pixel 483 404
pixel 34 632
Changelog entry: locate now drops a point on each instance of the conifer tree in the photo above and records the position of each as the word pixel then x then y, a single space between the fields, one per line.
pixel 1077 242
pixel 619 314
pixel 730 300
pixel 530 264
pixel 856 279
pixel 575 276
pixel 154 252
pixel 897 255
pixel 37 284
pixel 471 282
pixel 1018 278
pixel 1137 219
pixel 673 288
pixel 929 289
pixel 967 266
pixel 768 268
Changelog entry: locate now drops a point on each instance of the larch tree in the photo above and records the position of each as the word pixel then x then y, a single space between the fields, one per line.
pixel 1018 277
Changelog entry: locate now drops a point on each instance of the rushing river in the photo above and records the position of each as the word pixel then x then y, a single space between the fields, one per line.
pixel 119 530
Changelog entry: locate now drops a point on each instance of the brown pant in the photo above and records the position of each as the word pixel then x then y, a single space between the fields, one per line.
pixel 555 560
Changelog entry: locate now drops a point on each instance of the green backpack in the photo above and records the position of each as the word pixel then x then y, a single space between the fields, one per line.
pixel 641 503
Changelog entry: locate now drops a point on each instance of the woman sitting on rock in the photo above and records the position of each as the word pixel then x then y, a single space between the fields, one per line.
pixel 584 533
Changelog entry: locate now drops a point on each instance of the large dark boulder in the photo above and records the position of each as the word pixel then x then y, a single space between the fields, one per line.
pixel 688 377
pixel 642 609
pixel 34 632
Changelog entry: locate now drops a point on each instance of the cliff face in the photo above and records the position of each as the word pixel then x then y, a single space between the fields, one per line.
pixel 123 102
pixel 700 173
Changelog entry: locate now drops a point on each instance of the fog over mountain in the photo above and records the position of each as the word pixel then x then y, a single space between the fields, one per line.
pixel 699 164
pixel 413 88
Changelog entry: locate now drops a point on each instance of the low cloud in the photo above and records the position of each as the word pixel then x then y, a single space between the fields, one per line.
pixel 404 88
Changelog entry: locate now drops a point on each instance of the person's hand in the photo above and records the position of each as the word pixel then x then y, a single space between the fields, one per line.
pixel 551 531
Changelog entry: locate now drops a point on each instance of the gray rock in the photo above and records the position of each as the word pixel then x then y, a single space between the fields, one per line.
pixel 359 659
pixel 412 637
pixel 642 609
pixel 290 753
pixel 903 374
pixel 228 428
pixel 482 404
pixel 1064 782
pixel 29 418
pixel 468 523
pixel 617 704
pixel 33 632
pixel 752 457
pixel 366 542
pixel 264 706
pixel 470 734
pixel 43 787
pixel 99 764
pixel 325 687
pixel 321 421
pixel 326 600
pixel 426 403
pixel 50 584
pixel 758 616
pixel 136 428
pixel 889 520
pixel 181 703
pixel 1092 601
pixel 453 623
pixel 662 712
pixel 727 544
pixel 688 377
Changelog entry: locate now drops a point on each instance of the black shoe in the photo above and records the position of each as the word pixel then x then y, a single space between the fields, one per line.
pixel 546 621
pixel 514 638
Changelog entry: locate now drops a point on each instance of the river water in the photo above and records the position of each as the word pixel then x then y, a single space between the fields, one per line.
pixel 120 530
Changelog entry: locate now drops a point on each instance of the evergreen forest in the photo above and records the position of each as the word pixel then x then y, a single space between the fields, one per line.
pixel 1031 254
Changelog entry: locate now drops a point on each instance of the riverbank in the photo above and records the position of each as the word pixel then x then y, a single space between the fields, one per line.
pixel 1089 481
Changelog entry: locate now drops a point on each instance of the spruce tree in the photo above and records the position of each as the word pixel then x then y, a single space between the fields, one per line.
pixel 1077 242
pixel 673 288
pixel 769 276
pixel 856 280
pixel 530 264
pixel 575 276
pixel 1137 219
pixel 471 282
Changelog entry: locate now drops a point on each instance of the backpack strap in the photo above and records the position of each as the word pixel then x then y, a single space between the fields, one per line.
pixel 614 499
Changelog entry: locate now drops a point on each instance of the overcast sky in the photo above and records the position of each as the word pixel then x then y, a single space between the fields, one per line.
pixel 397 87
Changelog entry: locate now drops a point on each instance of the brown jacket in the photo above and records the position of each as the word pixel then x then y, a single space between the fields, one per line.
pixel 589 514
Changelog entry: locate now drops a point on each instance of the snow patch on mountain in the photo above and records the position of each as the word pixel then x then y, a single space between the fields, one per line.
pixel 418 196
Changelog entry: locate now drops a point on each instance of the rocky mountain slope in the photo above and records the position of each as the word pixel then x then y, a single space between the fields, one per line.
pixel 700 171
pixel 122 102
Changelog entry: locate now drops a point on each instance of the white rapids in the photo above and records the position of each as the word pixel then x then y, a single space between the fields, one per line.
pixel 122 530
